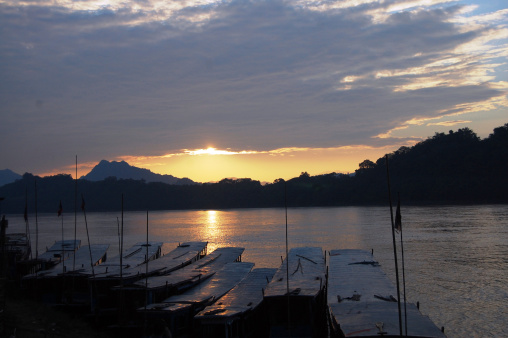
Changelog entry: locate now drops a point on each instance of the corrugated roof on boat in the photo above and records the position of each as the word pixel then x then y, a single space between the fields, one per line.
pixel 207 292
pixel 224 280
pixel 247 295
pixel 67 246
pixel 200 269
pixel 81 261
pixel 179 257
pixel 361 295
pixel 306 273
pixel 132 257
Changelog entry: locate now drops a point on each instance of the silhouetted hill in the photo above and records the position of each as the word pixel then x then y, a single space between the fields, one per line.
pixel 8 176
pixel 453 168
pixel 122 170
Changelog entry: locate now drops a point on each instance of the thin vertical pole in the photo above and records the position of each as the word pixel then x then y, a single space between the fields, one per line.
pixel 403 274
pixel 287 259
pixel 27 224
pixel 394 246
pixel 146 276
pixel 75 214
pixel 36 225
pixel 121 248
pixel 62 258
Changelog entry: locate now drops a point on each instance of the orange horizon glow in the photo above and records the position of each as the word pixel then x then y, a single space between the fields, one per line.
pixel 213 164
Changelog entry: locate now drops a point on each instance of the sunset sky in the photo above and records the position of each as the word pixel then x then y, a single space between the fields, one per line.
pixel 261 89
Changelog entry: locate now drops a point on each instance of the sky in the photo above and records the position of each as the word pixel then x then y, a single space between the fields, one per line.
pixel 248 89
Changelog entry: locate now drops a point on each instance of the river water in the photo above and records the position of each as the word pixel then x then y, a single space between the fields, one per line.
pixel 456 257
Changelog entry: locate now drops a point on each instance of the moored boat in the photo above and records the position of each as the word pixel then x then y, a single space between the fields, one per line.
pixel 362 302
pixel 177 311
pixel 296 305
pixel 155 289
pixel 239 313
pixel 50 284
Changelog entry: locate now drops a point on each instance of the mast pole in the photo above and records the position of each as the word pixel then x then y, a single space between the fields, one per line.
pixel 36 225
pixel 403 269
pixel 287 258
pixel 394 246
pixel 75 214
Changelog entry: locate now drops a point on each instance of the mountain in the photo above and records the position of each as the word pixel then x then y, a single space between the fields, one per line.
pixel 8 176
pixel 122 170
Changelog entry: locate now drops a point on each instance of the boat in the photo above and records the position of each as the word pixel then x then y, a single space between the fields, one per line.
pixel 96 284
pixel 362 302
pixel 157 288
pixel 16 247
pixel 50 284
pixel 183 255
pixel 59 251
pixel 177 312
pixel 296 306
pixel 239 313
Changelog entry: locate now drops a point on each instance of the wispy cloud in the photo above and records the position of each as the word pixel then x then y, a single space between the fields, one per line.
pixel 137 79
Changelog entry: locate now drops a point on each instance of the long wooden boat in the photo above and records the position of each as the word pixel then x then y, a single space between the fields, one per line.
pixel 296 307
pixel 59 251
pixel 362 302
pixel 93 287
pixel 17 249
pixel 157 288
pixel 183 255
pixel 239 313
pixel 50 284
pixel 177 311
pixel 124 300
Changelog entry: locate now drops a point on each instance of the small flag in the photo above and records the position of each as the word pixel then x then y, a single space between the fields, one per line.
pixel 82 203
pixel 398 218
pixel 60 209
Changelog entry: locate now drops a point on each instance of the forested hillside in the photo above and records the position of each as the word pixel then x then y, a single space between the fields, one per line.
pixel 457 167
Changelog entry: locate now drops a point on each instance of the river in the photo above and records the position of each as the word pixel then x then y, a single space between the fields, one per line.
pixel 456 257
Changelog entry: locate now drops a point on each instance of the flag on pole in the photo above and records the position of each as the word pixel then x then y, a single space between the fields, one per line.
pixel 398 218
pixel 82 203
pixel 60 209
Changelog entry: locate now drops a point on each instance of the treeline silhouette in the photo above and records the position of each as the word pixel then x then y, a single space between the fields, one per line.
pixel 453 168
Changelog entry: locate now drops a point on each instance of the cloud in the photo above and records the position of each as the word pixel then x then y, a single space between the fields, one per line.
pixel 144 78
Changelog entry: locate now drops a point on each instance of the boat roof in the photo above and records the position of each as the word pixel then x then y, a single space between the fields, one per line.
pixel 68 245
pixel 360 295
pixel 81 261
pixel 198 270
pixel 179 257
pixel 132 257
pixel 245 296
pixel 210 290
pixel 306 274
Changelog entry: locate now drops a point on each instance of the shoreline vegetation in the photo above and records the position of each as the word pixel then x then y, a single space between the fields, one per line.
pixel 453 168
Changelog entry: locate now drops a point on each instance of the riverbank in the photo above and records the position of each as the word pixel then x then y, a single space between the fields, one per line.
pixel 23 317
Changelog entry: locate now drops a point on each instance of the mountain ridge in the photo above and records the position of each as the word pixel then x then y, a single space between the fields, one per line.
pixel 123 170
